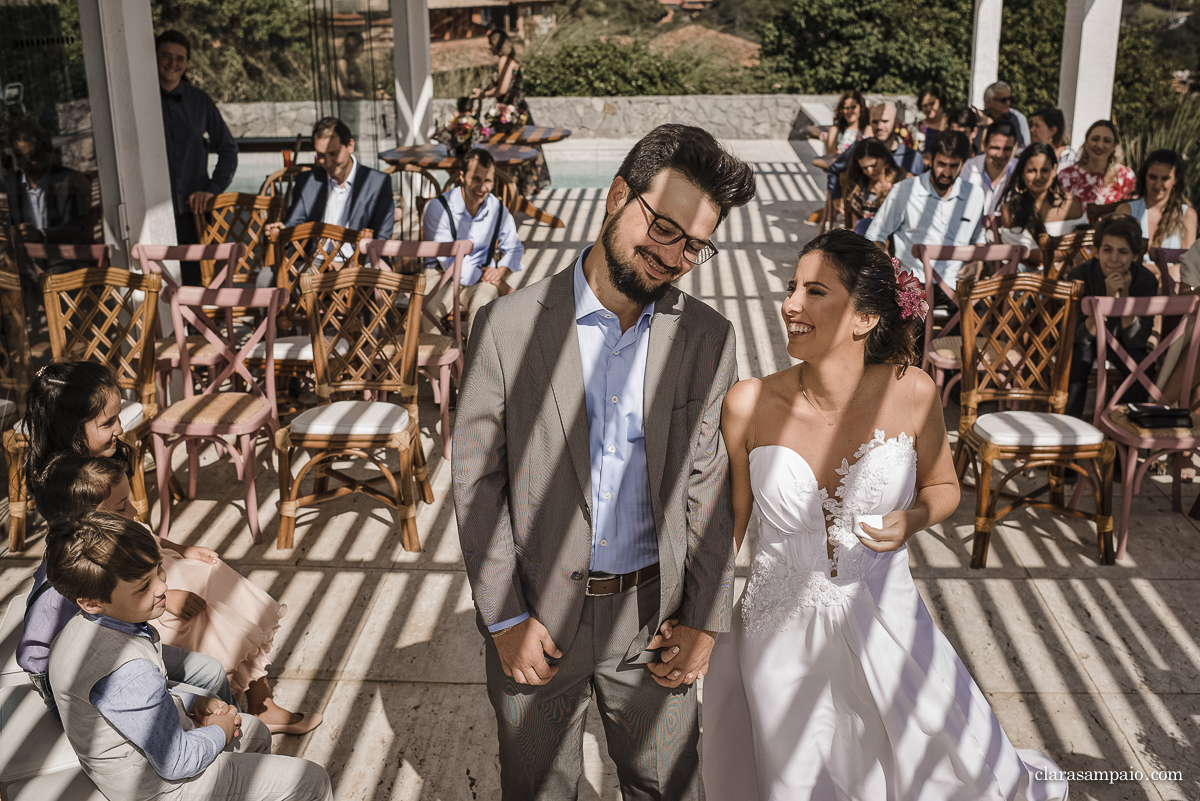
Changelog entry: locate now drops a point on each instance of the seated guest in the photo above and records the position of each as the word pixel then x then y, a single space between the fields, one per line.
pixel 193 127
pixel 936 208
pixel 991 169
pixel 1033 202
pixel 1049 127
pixel 964 119
pixel 134 738
pixel 886 126
pixel 870 178
pixel 1160 205
pixel 932 102
pixel 471 211
pixel 997 103
pixel 849 123
pixel 340 190
pixel 1116 271
pixel 1098 174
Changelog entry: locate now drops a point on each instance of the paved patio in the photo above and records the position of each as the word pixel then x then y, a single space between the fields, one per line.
pixel 1097 666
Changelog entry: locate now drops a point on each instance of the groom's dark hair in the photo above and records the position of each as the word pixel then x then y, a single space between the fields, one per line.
pixel 724 178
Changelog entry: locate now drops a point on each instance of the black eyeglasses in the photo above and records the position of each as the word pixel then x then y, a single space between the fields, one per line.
pixel 1003 99
pixel 666 231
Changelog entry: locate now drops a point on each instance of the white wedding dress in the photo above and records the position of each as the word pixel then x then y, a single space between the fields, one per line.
pixel 842 688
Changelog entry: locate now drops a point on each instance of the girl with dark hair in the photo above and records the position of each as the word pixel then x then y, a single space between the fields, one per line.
pixel 827 684
pixel 1049 127
pixel 849 123
pixel 1035 203
pixel 871 175
pixel 932 102
pixel 1099 174
pixel 73 408
pixel 1160 206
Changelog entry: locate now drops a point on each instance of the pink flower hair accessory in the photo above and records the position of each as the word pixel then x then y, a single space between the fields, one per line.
pixel 910 293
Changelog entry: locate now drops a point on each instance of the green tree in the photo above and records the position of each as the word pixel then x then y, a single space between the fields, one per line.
pixel 1143 95
pixel 602 69
pixel 1031 51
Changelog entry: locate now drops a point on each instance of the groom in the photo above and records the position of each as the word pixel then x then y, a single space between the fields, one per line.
pixel 590 483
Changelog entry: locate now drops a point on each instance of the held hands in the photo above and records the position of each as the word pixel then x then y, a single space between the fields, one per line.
pixel 893 535
pixel 684 654
pixel 523 649
pixel 201 554
pixel 184 605
pixel 215 712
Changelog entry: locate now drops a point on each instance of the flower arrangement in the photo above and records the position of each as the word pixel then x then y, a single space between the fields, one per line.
pixel 506 118
pixel 461 133
pixel 910 294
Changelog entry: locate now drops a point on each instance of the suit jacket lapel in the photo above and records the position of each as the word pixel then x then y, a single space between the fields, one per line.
pixel 558 340
pixel 360 179
pixel 662 373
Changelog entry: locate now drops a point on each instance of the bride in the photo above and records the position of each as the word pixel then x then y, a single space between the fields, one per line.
pixel 834 683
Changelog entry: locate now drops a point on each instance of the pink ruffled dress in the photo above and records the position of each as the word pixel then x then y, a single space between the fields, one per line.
pixel 238 625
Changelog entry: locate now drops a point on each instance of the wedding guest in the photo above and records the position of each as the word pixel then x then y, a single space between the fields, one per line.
pixel 1160 205
pixel 194 128
pixel 1170 372
pixel 471 211
pixel 1116 271
pixel 965 119
pixel 849 123
pixel 937 208
pixel 1049 127
pixel 932 102
pixel 886 126
pixel 1098 174
pixel 998 103
pixel 990 170
pixel 872 174
pixel 1034 202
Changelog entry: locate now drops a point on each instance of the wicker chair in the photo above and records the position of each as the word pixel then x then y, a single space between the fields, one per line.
pixel 241 218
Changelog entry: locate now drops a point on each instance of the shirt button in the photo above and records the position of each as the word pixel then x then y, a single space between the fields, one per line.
pixel 614 398
pixel 608 496
pixel 608 317
pixel 603 543
pixel 616 353
pixel 612 448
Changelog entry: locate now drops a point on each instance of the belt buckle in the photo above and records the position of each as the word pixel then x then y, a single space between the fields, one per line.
pixel 587 587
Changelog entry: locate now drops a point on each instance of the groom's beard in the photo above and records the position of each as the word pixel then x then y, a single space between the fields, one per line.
pixel 626 276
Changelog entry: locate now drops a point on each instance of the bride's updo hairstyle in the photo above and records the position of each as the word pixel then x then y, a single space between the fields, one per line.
pixel 868 275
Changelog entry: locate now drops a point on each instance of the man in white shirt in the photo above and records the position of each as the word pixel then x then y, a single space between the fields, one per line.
pixel 992 168
pixel 471 211
pixel 936 208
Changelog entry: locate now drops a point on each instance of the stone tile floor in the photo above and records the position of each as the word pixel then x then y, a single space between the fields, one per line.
pixel 1097 666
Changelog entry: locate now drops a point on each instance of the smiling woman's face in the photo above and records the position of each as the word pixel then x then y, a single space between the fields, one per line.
pixel 1100 145
pixel 817 310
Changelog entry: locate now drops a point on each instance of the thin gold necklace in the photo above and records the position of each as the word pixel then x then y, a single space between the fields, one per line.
pixel 804 392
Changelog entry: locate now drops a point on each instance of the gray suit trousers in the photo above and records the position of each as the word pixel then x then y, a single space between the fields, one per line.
pixel 652 732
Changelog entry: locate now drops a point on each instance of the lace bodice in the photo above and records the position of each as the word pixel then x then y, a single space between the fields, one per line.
pixel 792 568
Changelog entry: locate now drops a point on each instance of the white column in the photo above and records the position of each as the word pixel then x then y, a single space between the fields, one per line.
pixel 127 125
pixel 1089 63
pixel 414 75
pixel 985 48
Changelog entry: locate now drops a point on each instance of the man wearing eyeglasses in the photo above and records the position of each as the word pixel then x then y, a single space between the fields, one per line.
pixel 591 487
pixel 998 103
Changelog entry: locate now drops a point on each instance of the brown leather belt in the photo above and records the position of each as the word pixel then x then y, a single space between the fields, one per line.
pixel 608 584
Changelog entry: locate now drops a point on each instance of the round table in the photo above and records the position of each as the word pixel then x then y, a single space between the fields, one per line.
pixel 531 135
pixel 436 156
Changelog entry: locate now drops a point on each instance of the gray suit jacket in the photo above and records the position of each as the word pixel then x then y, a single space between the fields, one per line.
pixel 521 466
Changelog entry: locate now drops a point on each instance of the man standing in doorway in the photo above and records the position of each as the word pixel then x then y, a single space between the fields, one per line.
pixel 194 128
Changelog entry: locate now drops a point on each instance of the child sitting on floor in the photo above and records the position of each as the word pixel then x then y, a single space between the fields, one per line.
pixel 134 738
pixel 73 407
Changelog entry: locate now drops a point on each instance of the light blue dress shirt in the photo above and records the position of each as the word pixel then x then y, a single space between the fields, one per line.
pixel 624 538
pixel 135 700
pixel 435 227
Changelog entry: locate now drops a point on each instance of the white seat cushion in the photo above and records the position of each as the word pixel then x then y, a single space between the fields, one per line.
pixel 10 636
pixel 364 418
pixel 131 416
pixel 1036 428
pixel 297 349
pixel 32 741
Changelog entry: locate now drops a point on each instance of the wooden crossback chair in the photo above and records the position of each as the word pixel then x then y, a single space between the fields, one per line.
pixel 281 184
pixel 943 350
pixel 1163 259
pixel 240 218
pixel 1018 333
pixel 375 314
pixel 1061 253
pixel 1112 416
pixel 103 315
pixel 14 381
pixel 440 355
pixel 417 187
pixel 225 407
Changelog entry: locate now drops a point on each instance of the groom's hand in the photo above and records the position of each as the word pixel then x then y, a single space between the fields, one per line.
pixel 523 650
pixel 685 659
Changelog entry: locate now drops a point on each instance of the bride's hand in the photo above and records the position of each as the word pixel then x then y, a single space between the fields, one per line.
pixel 891 537
pixel 663 637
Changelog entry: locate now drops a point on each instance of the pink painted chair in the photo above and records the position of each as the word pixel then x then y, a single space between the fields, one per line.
pixel 943 351
pixel 439 356
pixel 86 255
pixel 1163 258
pixel 1112 416
pixel 218 412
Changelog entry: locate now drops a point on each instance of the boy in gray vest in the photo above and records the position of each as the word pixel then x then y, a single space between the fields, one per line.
pixel 136 740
